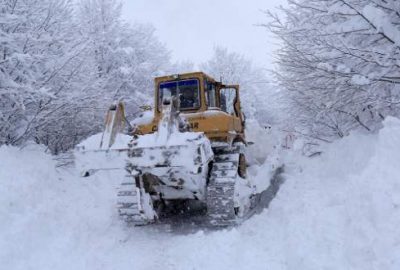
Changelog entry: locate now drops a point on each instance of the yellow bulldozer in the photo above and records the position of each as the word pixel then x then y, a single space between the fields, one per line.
pixel 191 148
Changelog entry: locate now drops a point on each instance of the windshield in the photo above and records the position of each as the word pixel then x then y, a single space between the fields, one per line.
pixel 188 91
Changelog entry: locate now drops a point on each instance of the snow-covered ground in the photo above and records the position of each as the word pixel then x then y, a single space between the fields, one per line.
pixel 337 211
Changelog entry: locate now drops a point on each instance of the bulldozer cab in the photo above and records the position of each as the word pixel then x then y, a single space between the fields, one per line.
pixel 198 92
pixel 207 105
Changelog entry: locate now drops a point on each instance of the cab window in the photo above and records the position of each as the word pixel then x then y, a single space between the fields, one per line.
pixel 227 100
pixel 187 90
pixel 210 95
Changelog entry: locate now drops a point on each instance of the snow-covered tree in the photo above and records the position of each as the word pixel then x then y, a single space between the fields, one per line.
pixel 256 88
pixel 124 58
pixel 181 67
pixel 62 63
pixel 38 48
pixel 339 63
pixel 118 62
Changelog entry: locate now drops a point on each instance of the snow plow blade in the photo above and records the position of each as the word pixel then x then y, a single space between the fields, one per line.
pixel 157 174
pixel 104 151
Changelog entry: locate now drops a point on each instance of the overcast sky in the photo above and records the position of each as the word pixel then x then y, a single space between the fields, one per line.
pixel 191 29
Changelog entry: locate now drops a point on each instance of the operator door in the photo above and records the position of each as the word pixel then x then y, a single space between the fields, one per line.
pixel 229 103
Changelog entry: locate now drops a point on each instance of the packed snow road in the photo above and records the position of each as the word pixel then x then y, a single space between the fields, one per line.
pixel 337 211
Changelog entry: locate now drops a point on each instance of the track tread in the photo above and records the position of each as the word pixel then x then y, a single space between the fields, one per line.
pixel 129 203
pixel 221 187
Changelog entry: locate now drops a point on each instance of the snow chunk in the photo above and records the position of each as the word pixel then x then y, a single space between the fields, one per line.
pixel 360 80
pixel 125 70
pixel 325 66
pixel 343 68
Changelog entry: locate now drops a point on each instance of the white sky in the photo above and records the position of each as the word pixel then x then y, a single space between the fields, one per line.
pixel 191 29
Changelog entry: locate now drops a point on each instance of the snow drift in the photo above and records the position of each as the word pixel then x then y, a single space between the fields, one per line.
pixel 337 211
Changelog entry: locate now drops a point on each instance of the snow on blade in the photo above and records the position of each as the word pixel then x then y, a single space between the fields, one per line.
pixel 89 157
pixel 145 118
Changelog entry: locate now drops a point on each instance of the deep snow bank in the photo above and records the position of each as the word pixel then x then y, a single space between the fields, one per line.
pixel 337 211
pixel 50 219
pixel 341 211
